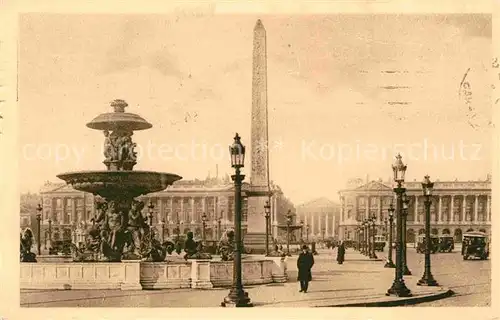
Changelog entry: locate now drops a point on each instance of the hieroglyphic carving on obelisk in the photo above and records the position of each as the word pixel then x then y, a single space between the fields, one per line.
pixel 259 179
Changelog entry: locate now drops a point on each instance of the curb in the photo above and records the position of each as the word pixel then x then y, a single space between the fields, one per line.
pixel 400 302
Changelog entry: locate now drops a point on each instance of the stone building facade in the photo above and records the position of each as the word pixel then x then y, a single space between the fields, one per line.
pixel 178 209
pixel 457 207
pixel 321 219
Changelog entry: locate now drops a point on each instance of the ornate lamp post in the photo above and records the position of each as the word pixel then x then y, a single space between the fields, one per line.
pixel 50 234
pixel 366 232
pixel 389 263
pixel 219 230
pixel 151 207
pixel 237 296
pixel 406 205
pixel 427 279
pixel 288 224
pixel 398 287
pixel 307 233
pixel 38 226
pixel 267 211
pixel 373 224
pixel 204 226
pixel 163 222
pixel 362 235
pixel 386 230
pixel 301 230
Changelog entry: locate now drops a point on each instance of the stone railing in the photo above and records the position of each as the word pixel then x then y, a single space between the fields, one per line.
pixel 137 275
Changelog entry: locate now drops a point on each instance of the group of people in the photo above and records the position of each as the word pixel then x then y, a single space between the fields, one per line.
pixel 305 262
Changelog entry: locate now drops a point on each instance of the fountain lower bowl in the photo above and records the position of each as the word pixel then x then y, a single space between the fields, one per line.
pixel 110 184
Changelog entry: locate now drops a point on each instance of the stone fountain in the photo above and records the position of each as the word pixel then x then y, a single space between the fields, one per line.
pixel 121 251
pixel 120 230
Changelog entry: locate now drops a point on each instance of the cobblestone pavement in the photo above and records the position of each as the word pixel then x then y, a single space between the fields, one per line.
pixel 470 279
pixel 357 280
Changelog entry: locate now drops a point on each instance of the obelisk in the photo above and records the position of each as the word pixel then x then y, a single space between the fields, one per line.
pixel 259 179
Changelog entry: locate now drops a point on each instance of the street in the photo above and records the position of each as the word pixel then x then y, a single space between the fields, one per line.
pixel 470 280
pixel 358 279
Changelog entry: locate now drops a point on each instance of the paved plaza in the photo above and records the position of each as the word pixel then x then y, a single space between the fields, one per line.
pixel 358 280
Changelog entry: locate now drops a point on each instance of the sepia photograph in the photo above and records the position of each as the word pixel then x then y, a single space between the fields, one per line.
pixel 195 160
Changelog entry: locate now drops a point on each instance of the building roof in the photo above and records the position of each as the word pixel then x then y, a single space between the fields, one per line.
pixel 414 185
pixel 319 202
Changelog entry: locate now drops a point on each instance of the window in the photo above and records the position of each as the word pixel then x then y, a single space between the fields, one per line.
pixel 58 203
pixel 361 201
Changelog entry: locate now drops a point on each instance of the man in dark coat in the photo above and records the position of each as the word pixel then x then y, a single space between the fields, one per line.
pixel 340 253
pixel 304 265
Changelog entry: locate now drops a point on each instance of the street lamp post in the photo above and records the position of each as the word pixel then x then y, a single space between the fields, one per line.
pixel 237 297
pixel 163 222
pixel 366 232
pixel 427 279
pixel 219 230
pixel 302 230
pixel 50 234
pixel 267 212
pixel 288 224
pixel 398 287
pixel 389 263
pixel 373 224
pixel 406 205
pixel 38 226
pixel 151 207
pixel 307 233
pixel 204 226
pixel 362 236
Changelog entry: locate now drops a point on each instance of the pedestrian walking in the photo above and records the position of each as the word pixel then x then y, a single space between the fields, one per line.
pixel 305 262
pixel 340 253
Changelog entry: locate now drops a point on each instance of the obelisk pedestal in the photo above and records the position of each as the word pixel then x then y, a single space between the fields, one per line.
pixel 255 239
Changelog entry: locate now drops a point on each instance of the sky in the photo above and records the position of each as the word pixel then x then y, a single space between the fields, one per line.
pixel 345 94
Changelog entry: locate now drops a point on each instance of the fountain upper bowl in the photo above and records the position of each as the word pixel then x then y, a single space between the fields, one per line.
pixel 113 184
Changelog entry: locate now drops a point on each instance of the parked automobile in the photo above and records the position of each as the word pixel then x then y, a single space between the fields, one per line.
pixel 475 244
pixel 421 243
pixel 446 243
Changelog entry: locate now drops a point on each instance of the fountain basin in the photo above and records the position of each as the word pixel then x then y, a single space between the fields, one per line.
pixel 109 184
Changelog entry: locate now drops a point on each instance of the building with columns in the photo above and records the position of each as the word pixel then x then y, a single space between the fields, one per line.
pixel 320 217
pixel 457 207
pixel 178 209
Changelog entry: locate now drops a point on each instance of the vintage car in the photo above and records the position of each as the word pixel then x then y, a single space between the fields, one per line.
pixel 379 242
pixel 475 244
pixel 446 243
pixel 421 243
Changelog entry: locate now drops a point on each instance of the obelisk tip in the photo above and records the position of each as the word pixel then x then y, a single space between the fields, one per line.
pixel 259 25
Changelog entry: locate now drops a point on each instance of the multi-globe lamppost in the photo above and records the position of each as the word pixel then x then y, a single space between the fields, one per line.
pixel 372 226
pixel 204 226
pixel 366 232
pixel 38 226
pixel 389 263
pixel 301 230
pixel 406 205
pixel 267 212
pixel 427 279
pixel 398 287
pixel 289 218
pixel 237 297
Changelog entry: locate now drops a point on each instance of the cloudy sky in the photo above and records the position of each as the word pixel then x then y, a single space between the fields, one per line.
pixel 345 93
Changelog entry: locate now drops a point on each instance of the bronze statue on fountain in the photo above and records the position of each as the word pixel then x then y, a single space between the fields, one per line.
pixel 194 249
pixel 120 230
pixel 25 248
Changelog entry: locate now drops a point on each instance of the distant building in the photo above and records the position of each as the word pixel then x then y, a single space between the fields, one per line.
pixel 457 207
pixel 320 217
pixel 178 209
